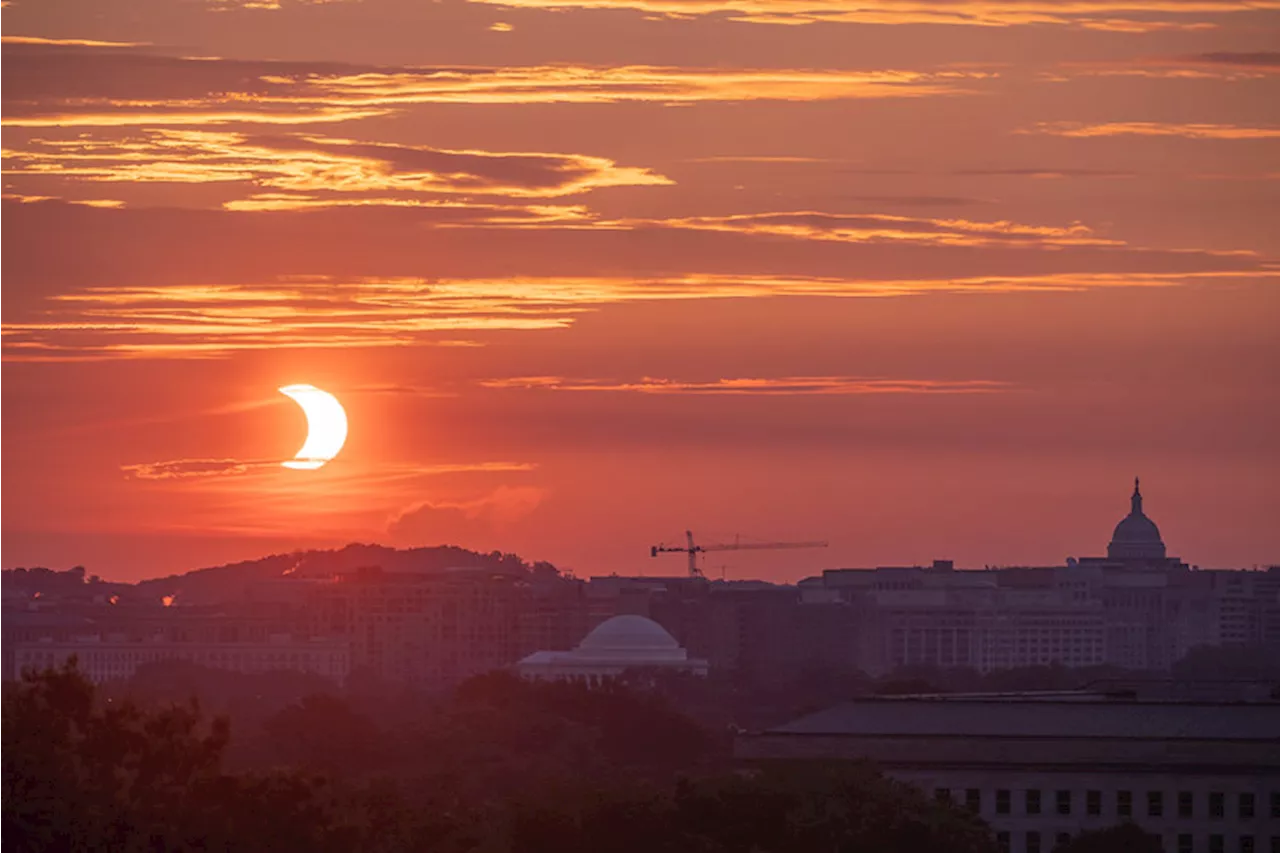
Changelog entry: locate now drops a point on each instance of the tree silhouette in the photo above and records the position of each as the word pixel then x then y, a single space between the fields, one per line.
pixel 1121 838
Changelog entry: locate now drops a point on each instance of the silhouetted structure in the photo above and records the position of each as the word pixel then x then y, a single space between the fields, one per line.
pixel 1136 537
pixel 430 617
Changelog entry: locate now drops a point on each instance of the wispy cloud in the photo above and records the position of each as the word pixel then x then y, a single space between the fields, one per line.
pixel 1153 128
pixel 1224 65
pixel 87 202
pixel 858 228
pixel 770 386
pixel 308 163
pixel 215 321
pixel 1113 15
pixel 48 87
pixel 1044 172
pixel 462 520
pixel 182 469
pixel 582 84
pixel 163 116
pixel 179 469
pixel 1264 59
pixel 66 42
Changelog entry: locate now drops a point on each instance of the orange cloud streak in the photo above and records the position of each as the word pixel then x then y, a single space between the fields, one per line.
pixel 1152 128
pixel 1114 15
pixel 309 163
pixel 215 321
pixel 68 42
pixel 776 386
pixel 310 98
pixel 864 228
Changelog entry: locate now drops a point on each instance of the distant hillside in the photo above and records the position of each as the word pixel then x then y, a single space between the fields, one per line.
pixel 36 582
pixel 222 583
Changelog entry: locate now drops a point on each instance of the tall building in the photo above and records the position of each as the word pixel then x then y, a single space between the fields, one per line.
pixel 424 630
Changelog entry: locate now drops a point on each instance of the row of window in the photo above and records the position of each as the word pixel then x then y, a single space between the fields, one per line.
pixel 1035 842
pixel 1064 802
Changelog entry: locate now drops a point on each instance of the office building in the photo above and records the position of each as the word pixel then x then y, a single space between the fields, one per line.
pixel 1204 777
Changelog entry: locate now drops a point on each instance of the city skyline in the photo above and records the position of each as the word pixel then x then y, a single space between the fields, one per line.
pixel 926 280
pixel 713 559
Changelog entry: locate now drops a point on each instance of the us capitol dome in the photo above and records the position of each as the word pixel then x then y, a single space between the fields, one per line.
pixel 1136 537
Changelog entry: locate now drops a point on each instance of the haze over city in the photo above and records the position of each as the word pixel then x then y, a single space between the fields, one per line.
pixel 640 426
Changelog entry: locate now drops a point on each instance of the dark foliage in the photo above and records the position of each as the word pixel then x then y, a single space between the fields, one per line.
pixel 1122 838
pixel 502 766
pixel 1216 663
pixel 228 582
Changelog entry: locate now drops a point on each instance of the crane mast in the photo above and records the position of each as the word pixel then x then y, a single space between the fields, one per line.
pixel 693 549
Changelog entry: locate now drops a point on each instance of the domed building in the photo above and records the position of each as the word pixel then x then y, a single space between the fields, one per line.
pixel 1136 537
pixel 623 643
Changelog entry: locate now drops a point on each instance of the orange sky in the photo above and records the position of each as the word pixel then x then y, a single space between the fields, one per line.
pixel 923 278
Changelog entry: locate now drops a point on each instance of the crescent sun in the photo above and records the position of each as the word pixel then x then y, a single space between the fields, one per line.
pixel 326 426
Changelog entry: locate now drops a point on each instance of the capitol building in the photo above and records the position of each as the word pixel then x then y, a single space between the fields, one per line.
pixel 1135 608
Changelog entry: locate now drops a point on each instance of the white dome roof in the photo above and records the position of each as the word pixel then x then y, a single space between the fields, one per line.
pixel 628 633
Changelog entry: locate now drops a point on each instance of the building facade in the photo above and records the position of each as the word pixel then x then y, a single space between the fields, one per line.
pixel 424 630
pixel 115 658
pixel 1135 609
pixel 1203 777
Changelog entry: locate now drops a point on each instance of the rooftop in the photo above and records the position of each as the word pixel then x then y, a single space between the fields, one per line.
pixel 1043 717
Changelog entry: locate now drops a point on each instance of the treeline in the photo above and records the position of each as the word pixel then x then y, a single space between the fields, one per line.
pixel 69 582
pixel 501 765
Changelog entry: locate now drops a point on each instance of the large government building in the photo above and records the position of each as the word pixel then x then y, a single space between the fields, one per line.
pixel 1205 778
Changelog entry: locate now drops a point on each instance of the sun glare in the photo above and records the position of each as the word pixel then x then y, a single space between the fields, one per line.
pixel 326 426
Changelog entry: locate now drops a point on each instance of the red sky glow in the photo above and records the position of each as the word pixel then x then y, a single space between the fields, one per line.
pixel 921 278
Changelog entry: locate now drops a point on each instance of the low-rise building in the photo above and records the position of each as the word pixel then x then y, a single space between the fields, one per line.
pixel 117 658
pixel 1205 777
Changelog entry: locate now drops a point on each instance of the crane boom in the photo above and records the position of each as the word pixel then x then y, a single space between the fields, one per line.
pixel 770 546
pixel 693 550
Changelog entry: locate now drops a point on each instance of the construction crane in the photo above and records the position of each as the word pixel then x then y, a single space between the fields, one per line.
pixel 694 550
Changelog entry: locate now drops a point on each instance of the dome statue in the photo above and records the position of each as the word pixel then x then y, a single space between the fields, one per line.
pixel 1136 537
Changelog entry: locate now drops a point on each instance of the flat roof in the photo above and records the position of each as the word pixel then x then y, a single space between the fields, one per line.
pixel 1041 718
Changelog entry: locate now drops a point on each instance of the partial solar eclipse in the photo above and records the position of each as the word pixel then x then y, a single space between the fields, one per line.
pixel 326 426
